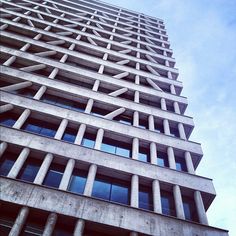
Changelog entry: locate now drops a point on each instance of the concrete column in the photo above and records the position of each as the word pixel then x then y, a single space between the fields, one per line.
pixel 151 124
pixel 16 86
pixel 80 134
pixel 169 75
pixel 61 129
pixel 67 174
pixel 115 113
pixel 40 92
pixel 189 163
pixel 135 148
pixel 200 208
pixel 89 106
pixel 3 147
pixel 50 224
pixel 43 169
pixel 118 92
pixel 163 104
pixel 79 228
pixel 96 85
pixel 21 120
pixel 171 158
pixel 176 107
pixel 156 196
pixel 5 108
pixel 153 153
pixel 181 131
pixel 90 180
pixel 19 222
pixel 99 138
pixel 136 119
pixel 134 201
pixel 136 96
pixel 178 202
pixel 19 163
pixel 166 127
pixel 172 89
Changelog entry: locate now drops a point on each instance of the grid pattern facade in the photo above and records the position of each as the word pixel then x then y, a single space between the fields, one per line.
pixel 94 136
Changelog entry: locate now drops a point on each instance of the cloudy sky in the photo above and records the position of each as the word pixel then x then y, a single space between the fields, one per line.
pixel 203 36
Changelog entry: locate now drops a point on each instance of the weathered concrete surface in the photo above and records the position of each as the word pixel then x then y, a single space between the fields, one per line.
pixel 100 211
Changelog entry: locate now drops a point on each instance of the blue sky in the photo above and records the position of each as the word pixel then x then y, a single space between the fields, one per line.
pixel 203 36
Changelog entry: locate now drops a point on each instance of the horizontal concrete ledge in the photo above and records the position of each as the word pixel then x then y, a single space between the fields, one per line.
pixel 95 121
pixel 77 90
pixel 103 212
pixel 113 162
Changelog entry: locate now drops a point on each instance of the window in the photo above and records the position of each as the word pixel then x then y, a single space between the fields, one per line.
pixel 40 127
pixel 174 132
pixel 144 154
pixel 124 119
pixel 157 102
pixel 167 203
pixel 77 181
pixel 25 92
pixel 159 127
pixel 69 135
pixel 145 198
pixel 170 107
pixel 180 164
pixel 189 209
pixel 54 176
pixel 116 147
pixel 6 162
pixel 8 119
pixel 111 190
pixel 162 159
pixel 29 170
pixel 143 124
pixel 88 140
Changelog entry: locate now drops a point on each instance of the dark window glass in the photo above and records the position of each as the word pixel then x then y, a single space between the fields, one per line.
pixel 144 155
pixel 29 170
pixel 69 135
pixel 120 193
pixel 167 203
pixel 162 159
pixel 174 132
pixel 124 119
pixel 88 140
pixel 156 103
pixel 159 128
pixel 189 209
pixel 49 131
pixel 180 164
pixel 25 92
pixel 77 181
pixel 101 189
pixel 97 111
pixel 145 199
pixel 143 124
pixel 8 119
pixel 54 176
pixel 49 99
pixel 6 162
pixel 170 107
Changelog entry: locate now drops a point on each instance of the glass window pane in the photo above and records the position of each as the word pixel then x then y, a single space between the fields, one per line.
pixel 64 103
pixel 7 122
pixel 68 137
pixel 120 194
pixel 108 148
pixel 143 157
pixel 48 132
pixel 180 164
pixel 123 152
pixel 145 200
pixel 162 159
pixel 88 143
pixel 32 128
pixel 167 203
pixel 6 166
pixel 77 184
pixel 101 189
pixel 54 175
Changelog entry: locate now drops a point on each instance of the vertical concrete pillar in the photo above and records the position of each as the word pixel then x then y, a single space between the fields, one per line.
pixel 99 137
pixel 171 158
pixel 169 75
pixel 3 147
pixel 176 107
pixel 90 180
pixel 67 174
pixel 89 106
pixel 50 224
pixel 163 104
pixel 134 201
pixel 166 127
pixel 178 202
pixel 151 124
pixel 181 131
pixel 96 85
pixel 136 119
pixel 189 163
pixel 19 163
pixel 172 89
pixel 79 228
pixel 80 134
pixel 200 208
pixel 156 196
pixel 43 169
pixel 136 96
pixel 19 222
pixel 40 92
pixel 21 120
pixel 61 129
pixel 153 153
pixel 135 148
pixel 5 108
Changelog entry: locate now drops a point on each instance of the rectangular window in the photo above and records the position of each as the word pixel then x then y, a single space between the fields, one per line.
pixel 180 164
pixel 162 159
pixel 77 181
pixel 174 132
pixel 69 135
pixel 6 162
pixel 101 189
pixel 159 128
pixel 190 211
pixel 145 198
pixel 167 203
pixel 8 119
pixel 88 140
pixel 120 193
pixel 143 124
pixel 144 155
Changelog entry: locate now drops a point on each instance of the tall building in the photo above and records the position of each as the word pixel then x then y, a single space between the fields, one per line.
pixel 94 136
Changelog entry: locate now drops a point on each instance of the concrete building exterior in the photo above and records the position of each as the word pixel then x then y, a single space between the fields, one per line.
pixel 94 136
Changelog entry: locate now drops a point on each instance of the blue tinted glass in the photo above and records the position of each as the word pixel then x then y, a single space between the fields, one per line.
pixel 187 211
pixel 125 122
pixel 165 203
pixel 29 172
pixel 53 179
pixel 48 132
pixel 32 128
pixel 68 137
pixel 101 189
pixel 7 122
pixel 88 143
pixel 108 148
pixel 180 165
pixel 145 200
pixel 123 152
pixel 120 194
pixel 6 167
pixel 143 157
pixel 77 184
pixel 64 103
pixel 49 99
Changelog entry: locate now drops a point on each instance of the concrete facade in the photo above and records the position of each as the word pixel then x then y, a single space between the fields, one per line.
pixel 94 136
